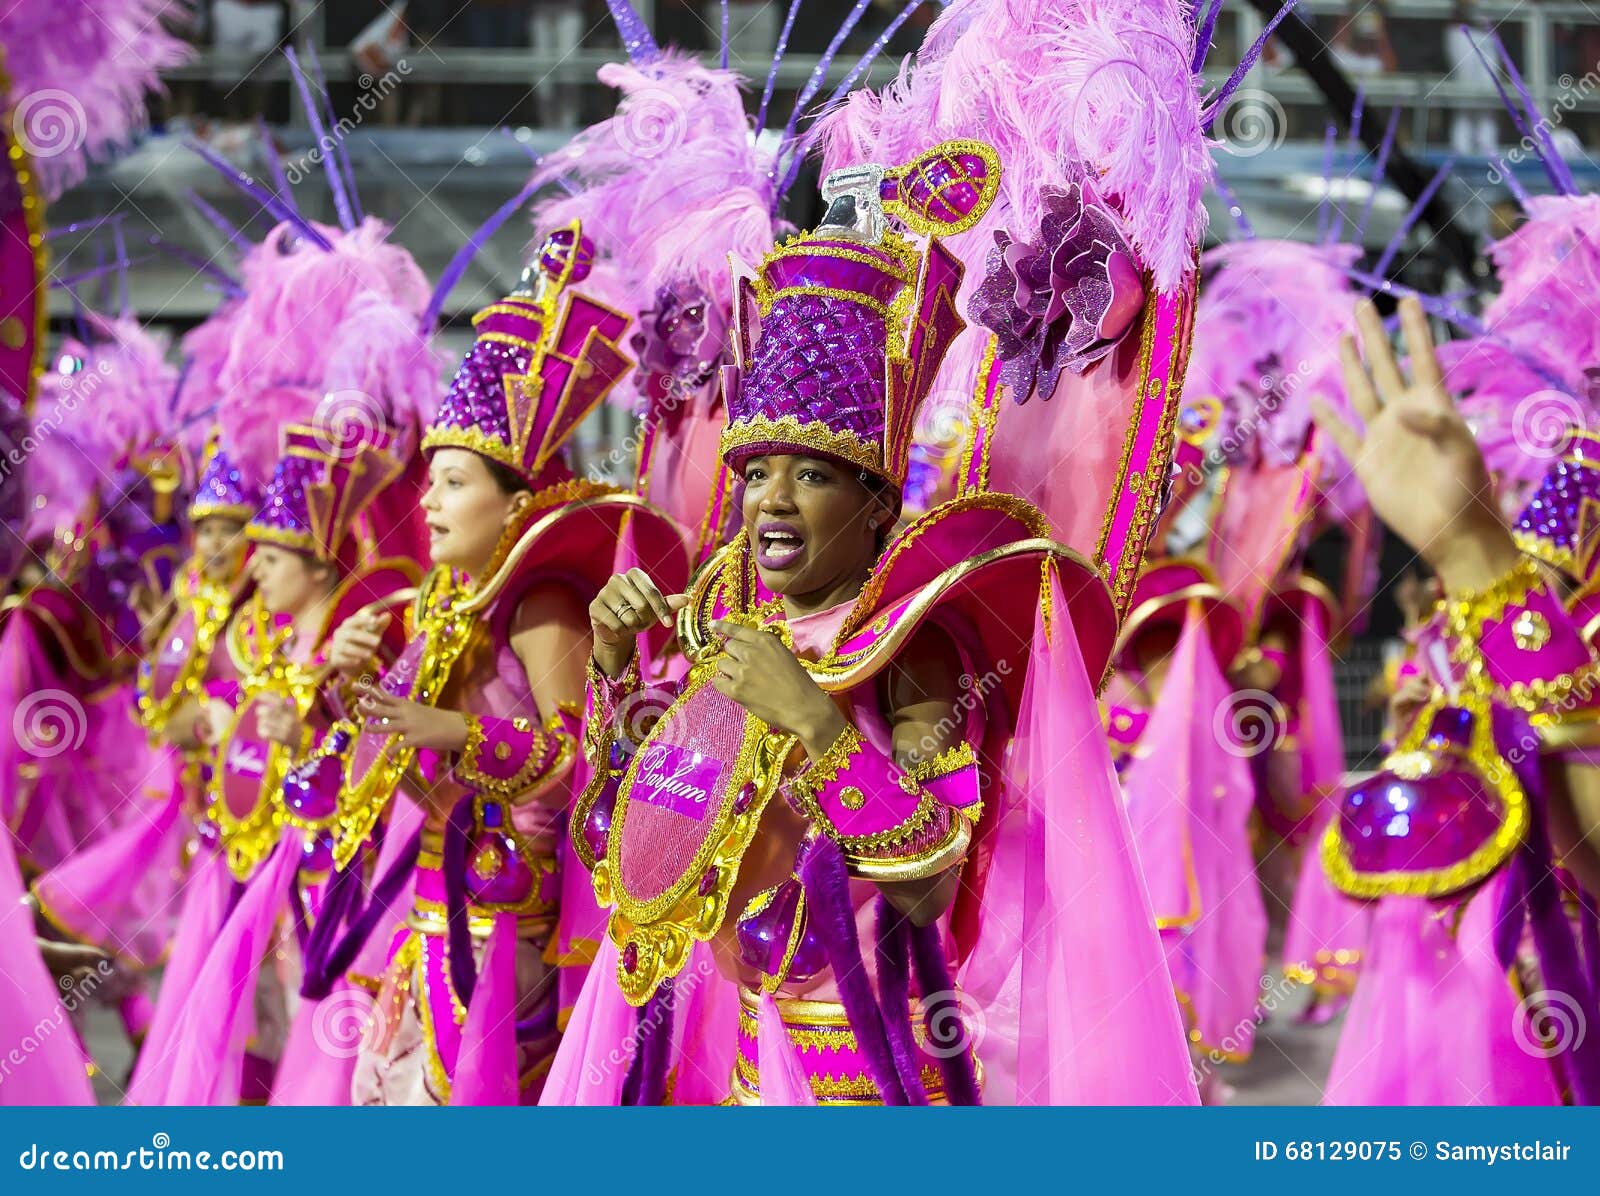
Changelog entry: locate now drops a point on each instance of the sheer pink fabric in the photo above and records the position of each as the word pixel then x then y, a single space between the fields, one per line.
pixel 53 1067
pixel 486 1068
pixel 202 1062
pixel 1324 924
pixel 319 1056
pixel 1434 1020
pixel 592 1061
pixel 1068 973
pixel 784 1081
pixel 121 892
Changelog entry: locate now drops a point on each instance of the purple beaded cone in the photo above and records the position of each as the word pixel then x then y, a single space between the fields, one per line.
pixel 820 363
pixel 222 491
pixel 284 516
pixel 1561 523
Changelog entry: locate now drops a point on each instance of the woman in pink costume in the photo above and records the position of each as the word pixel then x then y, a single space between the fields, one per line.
pixel 1175 723
pixel 475 723
pixel 122 892
pixel 1453 840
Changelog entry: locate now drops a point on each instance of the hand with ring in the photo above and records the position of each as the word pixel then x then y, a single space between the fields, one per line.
pixel 628 605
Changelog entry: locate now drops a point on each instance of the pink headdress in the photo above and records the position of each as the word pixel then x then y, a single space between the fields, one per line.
pixel 79 71
pixel 1095 111
pixel 327 334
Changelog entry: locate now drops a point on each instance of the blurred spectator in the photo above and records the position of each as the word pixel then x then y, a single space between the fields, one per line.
pixel 1469 48
pixel 1361 41
pixel 244 33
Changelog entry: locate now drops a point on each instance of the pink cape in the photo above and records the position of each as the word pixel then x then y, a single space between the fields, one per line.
pixel 1068 973
pixel 53 1068
pixel 1327 930
pixel 1188 769
pixel 319 1055
pixel 199 1059
pixel 1434 1020
pixel 486 1067
pixel 121 892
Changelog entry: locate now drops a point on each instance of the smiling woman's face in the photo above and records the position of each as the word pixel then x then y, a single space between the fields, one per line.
pixel 813 525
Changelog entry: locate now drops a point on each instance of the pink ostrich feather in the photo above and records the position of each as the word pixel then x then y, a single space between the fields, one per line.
pixel 342 323
pixel 670 185
pixel 1102 83
pixel 80 71
pixel 1266 341
pixel 1053 88
pixel 89 421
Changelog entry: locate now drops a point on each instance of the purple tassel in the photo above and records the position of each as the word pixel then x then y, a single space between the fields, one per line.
pixel 463 258
pixel 330 959
pixel 230 285
pixel 777 57
pixel 213 217
pixel 1246 64
pixel 871 53
pixel 1411 218
pixel 1330 138
pixel 1534 878
pixel 933 977
pixel 260 194
pixel 330 166
pixel 1589 933
pixel 646 1081
pixel 800 151
pixel 463 968
pixel 893 952
pixel 1204 36
pixel 827 886
pixel 1384 147
pixel 635 33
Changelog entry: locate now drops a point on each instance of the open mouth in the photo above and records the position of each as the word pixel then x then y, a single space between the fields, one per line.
pixel 778 546
pixel 437 530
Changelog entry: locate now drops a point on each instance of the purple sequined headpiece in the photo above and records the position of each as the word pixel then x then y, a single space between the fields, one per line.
pixel 544 357
pixel 325 479
pixel 1561 523
pixel 222 491
pixel 839 335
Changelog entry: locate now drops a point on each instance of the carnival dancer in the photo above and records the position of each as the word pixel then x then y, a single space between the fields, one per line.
pixel 1172 722
pixel 1453 841
pixel 121 892
pixel 476 721
pixel 827 665
pixel 324 345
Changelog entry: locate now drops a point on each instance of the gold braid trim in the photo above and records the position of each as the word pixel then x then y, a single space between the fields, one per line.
pixel 946 762
pixel 1468 611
